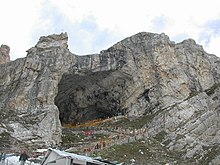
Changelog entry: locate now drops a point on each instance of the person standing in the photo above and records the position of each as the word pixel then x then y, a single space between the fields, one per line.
pixel 23 158
pixel 2 158
pixel 1 154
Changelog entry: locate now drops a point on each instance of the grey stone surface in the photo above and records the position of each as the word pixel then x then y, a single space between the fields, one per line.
pixel 145 74
pixel 4 54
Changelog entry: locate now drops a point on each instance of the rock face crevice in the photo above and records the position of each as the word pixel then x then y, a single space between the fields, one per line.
pixel 145 74
pixel 92 96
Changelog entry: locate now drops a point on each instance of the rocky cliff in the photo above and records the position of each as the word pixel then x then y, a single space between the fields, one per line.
pixel 177 84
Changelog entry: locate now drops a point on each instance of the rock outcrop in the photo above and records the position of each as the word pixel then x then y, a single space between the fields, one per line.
pixel 145 74
pixel 4 54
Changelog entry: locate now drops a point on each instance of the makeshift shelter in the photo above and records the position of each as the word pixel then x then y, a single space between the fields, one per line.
pixel 57 157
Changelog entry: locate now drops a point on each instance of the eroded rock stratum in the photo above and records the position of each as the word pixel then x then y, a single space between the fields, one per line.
pixel 140 75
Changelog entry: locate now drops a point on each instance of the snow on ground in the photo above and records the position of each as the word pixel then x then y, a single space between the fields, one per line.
pixel 14 160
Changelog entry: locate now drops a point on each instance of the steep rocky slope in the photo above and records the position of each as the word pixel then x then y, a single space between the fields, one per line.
pixel 145 74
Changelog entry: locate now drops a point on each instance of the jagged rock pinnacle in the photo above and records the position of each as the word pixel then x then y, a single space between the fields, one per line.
pixel 4 54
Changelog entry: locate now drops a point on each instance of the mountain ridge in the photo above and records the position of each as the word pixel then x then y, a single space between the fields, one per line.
pixel 141 75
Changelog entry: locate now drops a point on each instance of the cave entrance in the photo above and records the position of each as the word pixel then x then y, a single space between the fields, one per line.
pixel 96 95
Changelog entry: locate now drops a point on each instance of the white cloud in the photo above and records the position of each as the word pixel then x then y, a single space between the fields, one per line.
pixel 213 47
pixel 17 19
pixel 90 23
pixel 85 36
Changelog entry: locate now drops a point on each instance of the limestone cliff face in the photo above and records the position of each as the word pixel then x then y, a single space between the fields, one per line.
pixel 28 87
pixel 140 75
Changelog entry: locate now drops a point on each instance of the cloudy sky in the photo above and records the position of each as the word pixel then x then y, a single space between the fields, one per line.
pixel 94 25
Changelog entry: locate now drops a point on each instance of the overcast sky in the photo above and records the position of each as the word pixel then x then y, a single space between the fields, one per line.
pixel 94 25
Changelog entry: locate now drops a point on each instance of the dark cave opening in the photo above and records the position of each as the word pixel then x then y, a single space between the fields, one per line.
pixel 95 95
